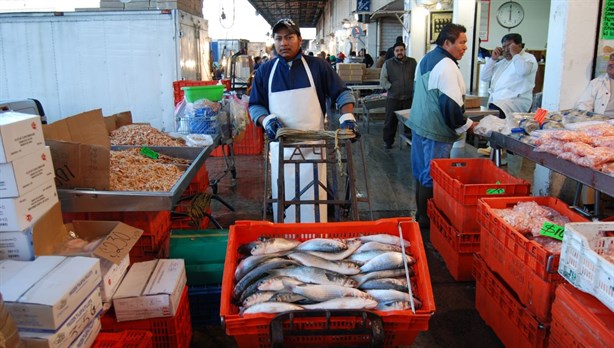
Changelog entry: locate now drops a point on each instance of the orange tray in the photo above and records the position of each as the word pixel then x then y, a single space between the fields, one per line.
pixel 124 339
pixel 253 330
pixel 525 265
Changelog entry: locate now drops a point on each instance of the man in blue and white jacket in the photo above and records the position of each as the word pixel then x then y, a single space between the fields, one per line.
pixel 437 116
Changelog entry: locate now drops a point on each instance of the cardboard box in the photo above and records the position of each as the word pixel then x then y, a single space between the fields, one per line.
pixel 45 292
pixel 24 174
pixel 20 134
pixel 80 148
pixel 87 311
pixel 17 245
pixel 19 213
pixel 88 337
pixel 151 289
pixel 117 120
pixel 50 238
pixel 472 102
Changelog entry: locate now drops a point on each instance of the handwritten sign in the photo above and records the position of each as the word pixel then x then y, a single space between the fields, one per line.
pixel 552 230
pixel 607 23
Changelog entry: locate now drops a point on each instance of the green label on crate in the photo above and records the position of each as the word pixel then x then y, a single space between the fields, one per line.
pixel 552 230
pixel 147 152
pixel 495 191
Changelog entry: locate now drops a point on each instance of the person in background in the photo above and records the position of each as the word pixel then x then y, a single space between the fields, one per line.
pixel 597 95
pixel 368 60
pixel 310 54
pixel 437 117
pixel 397 77
pixel 390 51
pixel 340 57
pixel 291 91
pixel 380 60
pixel 333 61
pixel 351 58
pixel 322 55
pixel 257 62
pixel 483 53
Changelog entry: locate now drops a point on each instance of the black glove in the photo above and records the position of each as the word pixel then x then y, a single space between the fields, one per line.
pixel 271 124
pixel 349 122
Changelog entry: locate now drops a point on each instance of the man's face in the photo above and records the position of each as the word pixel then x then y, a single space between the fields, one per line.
pixel 399 52
pixel 611 66
pixel 287 44
pixel 510 48
pixel 458 48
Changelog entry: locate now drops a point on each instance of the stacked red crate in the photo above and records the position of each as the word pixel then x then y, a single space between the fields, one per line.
pixel 124 339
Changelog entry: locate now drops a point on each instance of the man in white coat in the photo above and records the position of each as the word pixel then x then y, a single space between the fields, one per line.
pixel 291 91
pixel 597 96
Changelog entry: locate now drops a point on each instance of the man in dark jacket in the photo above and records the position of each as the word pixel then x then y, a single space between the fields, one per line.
pixel 397 77
pixel 390 52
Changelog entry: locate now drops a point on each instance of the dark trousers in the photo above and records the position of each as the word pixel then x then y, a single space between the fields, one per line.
pixel 391 122
pixel 492 106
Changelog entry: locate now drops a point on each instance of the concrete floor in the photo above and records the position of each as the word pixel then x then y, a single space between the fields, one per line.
pixel 456 323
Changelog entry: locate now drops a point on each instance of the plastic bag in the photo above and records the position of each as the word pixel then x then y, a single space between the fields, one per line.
pixel 240 116
pixel 489 124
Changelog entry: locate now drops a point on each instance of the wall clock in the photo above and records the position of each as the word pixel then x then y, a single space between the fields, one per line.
pixel 510 14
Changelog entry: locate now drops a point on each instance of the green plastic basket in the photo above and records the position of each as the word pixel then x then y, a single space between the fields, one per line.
pixel 211 93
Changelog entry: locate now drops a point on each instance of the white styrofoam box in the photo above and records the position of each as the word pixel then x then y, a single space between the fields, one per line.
pixel 17 245
pixel 151 289
pixel 88 336
pixel 19 213
pixel 582 261
pixel 42 294
pixel 24 174
pixel 20 134
pixel 112 276
pixel 79 320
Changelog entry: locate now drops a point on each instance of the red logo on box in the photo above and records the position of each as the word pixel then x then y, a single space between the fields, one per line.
pixel 33 125
pixel 44 157
pixel 29 217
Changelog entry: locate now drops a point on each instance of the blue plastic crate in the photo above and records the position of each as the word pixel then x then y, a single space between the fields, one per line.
pixel 205 304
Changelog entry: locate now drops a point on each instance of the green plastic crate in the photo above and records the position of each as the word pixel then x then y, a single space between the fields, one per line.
pixel 204 252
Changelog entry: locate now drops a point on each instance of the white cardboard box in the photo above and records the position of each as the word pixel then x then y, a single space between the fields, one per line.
pixel 19 213
pixel 87 338
pixel 112 276
pixel 20 134
pixel 87 311
pixel 24 174
pixel 151 289
pixel 45 292
pixel 17 245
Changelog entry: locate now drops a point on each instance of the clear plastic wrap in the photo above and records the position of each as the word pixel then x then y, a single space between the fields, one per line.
pixel 605 141
pixel 600 130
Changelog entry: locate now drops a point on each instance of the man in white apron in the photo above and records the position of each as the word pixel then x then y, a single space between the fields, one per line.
pixel 290 91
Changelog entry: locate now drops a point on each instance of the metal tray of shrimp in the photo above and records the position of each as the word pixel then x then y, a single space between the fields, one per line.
pixel 88 200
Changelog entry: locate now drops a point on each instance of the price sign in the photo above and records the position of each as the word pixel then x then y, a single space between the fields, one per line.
pixel 118 244
pixel 147 152
pixel 552 230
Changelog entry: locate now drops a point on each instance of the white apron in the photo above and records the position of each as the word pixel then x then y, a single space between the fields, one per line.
pixel 298 109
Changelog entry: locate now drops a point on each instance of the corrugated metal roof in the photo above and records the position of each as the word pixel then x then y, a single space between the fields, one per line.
pixel 306 13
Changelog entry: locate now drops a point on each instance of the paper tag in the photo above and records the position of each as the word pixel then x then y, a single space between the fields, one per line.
pixel 145 151
pixel 552 230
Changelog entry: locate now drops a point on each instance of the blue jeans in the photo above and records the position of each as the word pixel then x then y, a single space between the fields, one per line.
pixel 423 150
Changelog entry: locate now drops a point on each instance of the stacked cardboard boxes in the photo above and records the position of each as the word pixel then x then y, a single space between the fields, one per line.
pixel 350 72
pixel 27 185
pixel 372 74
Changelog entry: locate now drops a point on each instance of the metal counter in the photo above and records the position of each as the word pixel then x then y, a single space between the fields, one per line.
pixel 587 176
pixel 77 200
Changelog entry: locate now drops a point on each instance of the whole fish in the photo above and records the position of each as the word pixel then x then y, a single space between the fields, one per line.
pixel 344 303
pixel 259 272
pixel 246 249
pixel 368 246
pixel 321 293
pixel 258 297
pixel 352 245
pixel 315 276
pixel 388 295
pixel 364 257
pixel 390 273
pixel 290 297
pixel 343 267
pixel 274 245
pixel 323 244
pixel 385 283
pixel 271 307
pixel 276 283
pixel 393 306
pixel 385 238
pixel 250 262
pixel 389 260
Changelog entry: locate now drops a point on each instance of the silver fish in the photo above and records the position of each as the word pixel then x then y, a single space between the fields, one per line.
pixel 322 293
pixel 258 297
pixel 251 262
pixel 276 283
pixel 315 276
pixel 389 260
pixel 385 238
pixel 344 303
pixel 266 283
pixel 352 245
pixel 391 273
pixel 274 245
pixel 271 307
pixel 388 295
pixel 258 272
pixel 343 267
pixel 290 297
pixel 364 257
pixel 368 246
pixel 393 306
pixel 323 244
pixel 385 283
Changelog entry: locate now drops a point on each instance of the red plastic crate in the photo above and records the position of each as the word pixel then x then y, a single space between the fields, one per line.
pixel 137 254
pixel 525 265
pixel 173 332
pixel 510 320
pixel 200 182
pixel 580 320
pixel 253 330
pixel 456 248
pixel 178 92
pixel 459 183
pixel 252 143
pixel 125 339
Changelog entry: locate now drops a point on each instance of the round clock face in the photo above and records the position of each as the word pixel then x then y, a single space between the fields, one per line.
pixel 510 14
